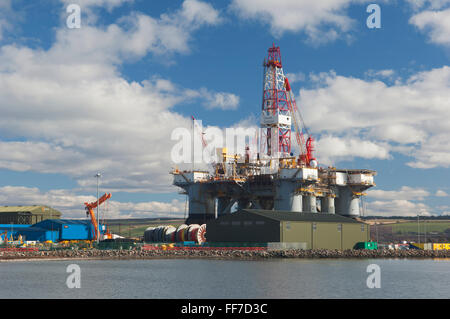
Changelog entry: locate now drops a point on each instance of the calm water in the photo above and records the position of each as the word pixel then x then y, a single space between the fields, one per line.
pixel 300 278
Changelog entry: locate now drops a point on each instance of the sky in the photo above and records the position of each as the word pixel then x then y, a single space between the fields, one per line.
pixel 106 97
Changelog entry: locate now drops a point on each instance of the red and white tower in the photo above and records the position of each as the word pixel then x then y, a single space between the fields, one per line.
pixel 275 141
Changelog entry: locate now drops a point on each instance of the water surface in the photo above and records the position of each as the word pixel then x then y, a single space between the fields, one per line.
pixel 190 278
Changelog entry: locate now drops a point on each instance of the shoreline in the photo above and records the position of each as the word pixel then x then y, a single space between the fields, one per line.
pixel 94 254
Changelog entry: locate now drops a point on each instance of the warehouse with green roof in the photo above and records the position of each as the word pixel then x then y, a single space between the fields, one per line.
pixel 27 215
pixel 311 230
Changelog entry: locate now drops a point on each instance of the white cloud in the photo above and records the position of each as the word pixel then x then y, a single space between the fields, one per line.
pixel 405 193
pixel 296 77
pixel 411 116
pixel 252 121
pixel 406 201
pixel 134 36
pixel 197 13
pixel 71 205
pixel 175 208
pixel 436 23
pixel 331 149
pixel 48 158
pixel 87 4
pixel 90 9
pixel 221 100
pixel 430 4
pixel 441 193
pixel 69 110
pixel 397 207
pixel 388 74
pixel 399 133
pixel 434 151
pixel 321 21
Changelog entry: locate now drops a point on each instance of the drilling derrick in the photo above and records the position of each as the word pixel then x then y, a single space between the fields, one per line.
pixel 275 139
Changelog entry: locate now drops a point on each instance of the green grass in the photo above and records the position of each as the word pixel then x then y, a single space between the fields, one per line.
pixel 429 226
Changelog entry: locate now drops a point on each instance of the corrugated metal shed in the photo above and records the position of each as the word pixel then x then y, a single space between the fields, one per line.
pixel 316 230
pixel 27 214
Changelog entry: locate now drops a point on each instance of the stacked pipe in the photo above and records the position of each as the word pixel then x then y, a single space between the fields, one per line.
pixel 170 234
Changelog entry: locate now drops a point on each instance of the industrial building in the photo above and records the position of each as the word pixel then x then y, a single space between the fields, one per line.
pixel 54 230
pixel 42 223
pixel 27 215
pixel 273 178
pixel 314 230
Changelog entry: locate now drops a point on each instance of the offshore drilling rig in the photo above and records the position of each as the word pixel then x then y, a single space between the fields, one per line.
pixel 276 180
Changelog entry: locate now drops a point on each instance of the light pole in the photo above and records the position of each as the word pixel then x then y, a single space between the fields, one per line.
pixel 425 230
pixel 376 229
pixel 98 175
pixel 418 229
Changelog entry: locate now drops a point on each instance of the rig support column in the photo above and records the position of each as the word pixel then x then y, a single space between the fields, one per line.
pixel 223 206
pixel 347 204
pixel 286 196
pixel 309 203
pixel 202 205
pixel 328 205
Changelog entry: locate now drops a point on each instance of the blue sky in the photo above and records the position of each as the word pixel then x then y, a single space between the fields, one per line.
pixel 107 96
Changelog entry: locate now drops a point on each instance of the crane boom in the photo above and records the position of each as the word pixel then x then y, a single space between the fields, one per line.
pixel 306 149
pixel 201 133
pixel 90 211
pixel 293 109
pixel 100 201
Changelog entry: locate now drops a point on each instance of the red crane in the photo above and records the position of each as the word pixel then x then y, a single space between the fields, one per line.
pixel 90 211
pixel 5 238
pixel 306 149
